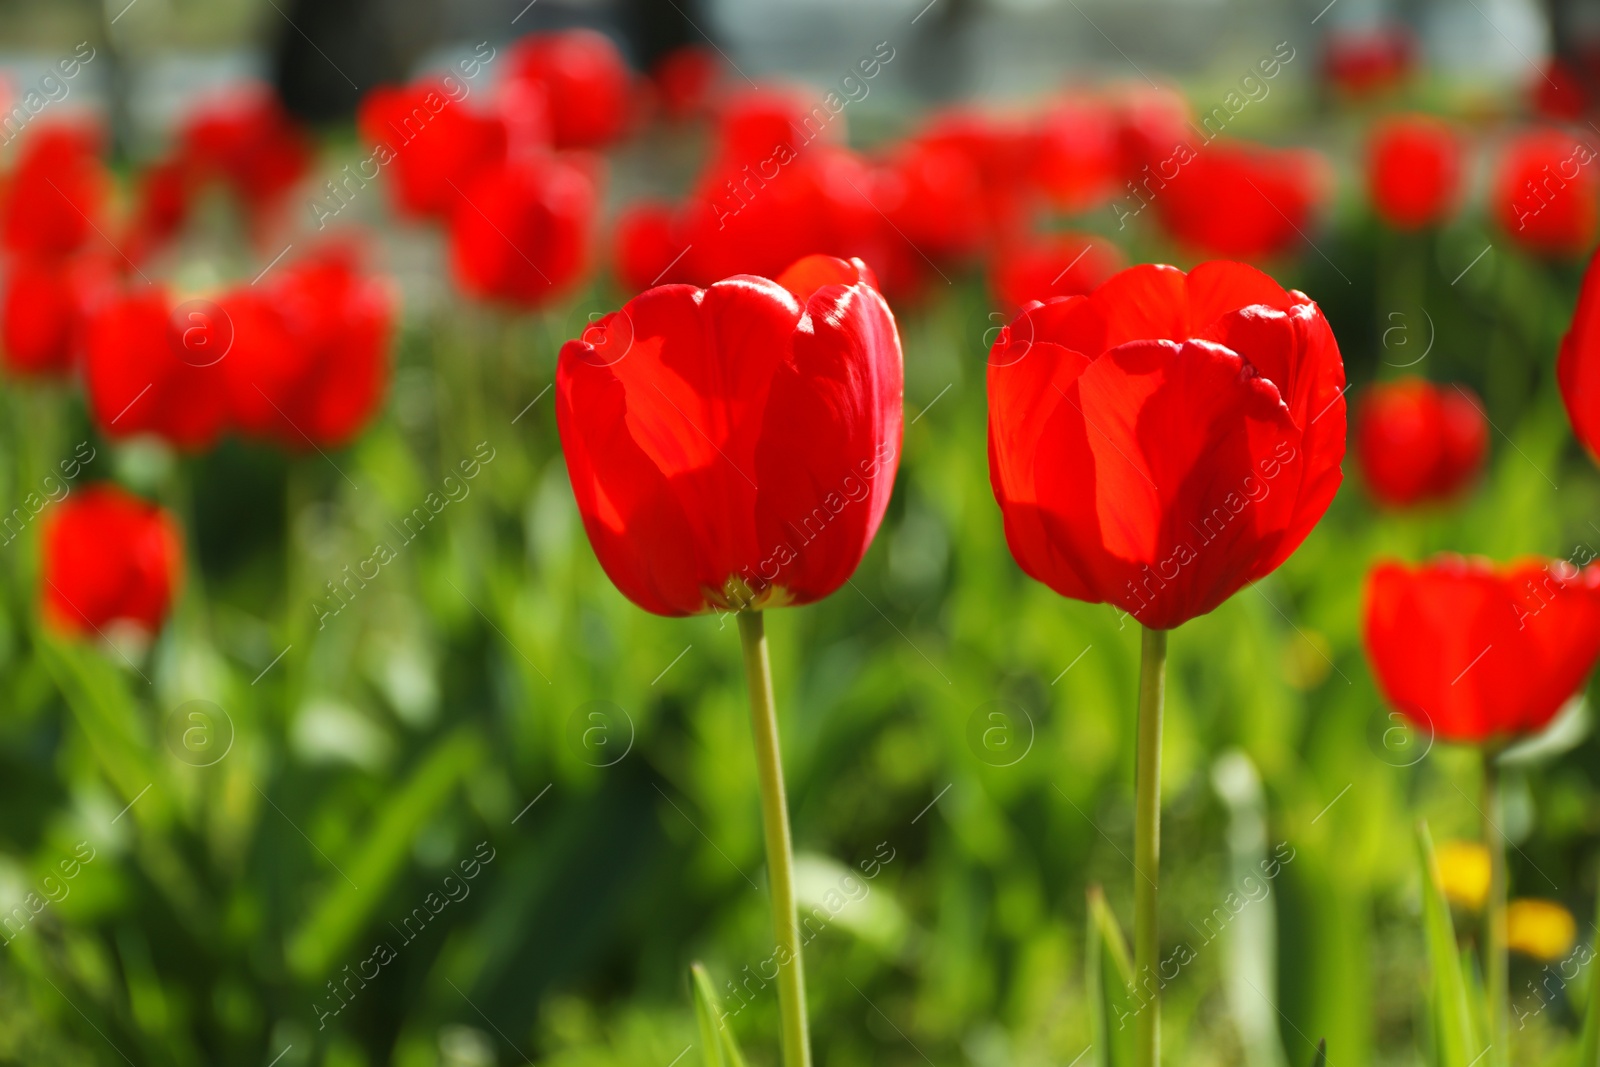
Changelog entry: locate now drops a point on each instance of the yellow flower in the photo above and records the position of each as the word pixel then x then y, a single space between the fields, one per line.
pixel 1542 929
pixel 1464 873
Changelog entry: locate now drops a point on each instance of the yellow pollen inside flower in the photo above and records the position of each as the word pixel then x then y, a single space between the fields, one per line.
pixel 1464 873
pixel 1542 929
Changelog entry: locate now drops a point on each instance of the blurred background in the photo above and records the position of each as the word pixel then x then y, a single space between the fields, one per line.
pixel 959 740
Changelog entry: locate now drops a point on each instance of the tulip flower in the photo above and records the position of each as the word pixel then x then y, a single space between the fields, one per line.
pixel 1545 193
pixel 1067 264
pixel 42 304
pixel 1363 63
pixel 1559 93
pixel 1414 171
pixel 341 322
pixel 683 79
pixel 1236 199
pixel 108 556
pixel 1158 444
pixel 523 231
pixel 248 141
pixel 433 144
pixel 1483 654
pixel 734 449
pixel 55 194
pixel 585 79
pixel 146 370
pixel 1418 442
pixel 1077 159
pixel 1578 364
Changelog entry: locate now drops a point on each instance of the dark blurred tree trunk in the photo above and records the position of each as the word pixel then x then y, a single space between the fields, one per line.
pixel 330 52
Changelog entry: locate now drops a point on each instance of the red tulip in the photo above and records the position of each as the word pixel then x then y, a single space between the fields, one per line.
pixel 1067 264
pixel 1078 160
pixel 247 140
pixel 107 557
pixel 1545 193
pixel 1003 154
pixel 1414 171
pixel 433 144
pixel 647 243
pixel 1578 364
pixel 933 195
pixel 587 81
pixel 1166 439
pixel 683 79
pixel 56 194
pixel 1473 651
pixel 1239 199
pixel 1369 61
pixel 162 201
pixel 523 232
pixel 1559 93
pixel 150 369
pixel 42 307
pixel 319 384
pixel 735 446
pixel 1418 442
pixel 752 123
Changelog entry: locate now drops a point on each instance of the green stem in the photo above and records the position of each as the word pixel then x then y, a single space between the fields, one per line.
pixel 1147 843
pixel 780 850
pixel 1494 912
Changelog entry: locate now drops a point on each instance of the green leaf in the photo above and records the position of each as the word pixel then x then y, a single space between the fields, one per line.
pixel 352 897
pixel 1113 1004
pixel 1589 1047
pixel 717 1046
pixel 1321 1058
pixel 1455 1042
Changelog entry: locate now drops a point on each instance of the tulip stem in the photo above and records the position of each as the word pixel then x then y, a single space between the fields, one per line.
pixel 1147 843
pixel 775 825
pixel 1494 912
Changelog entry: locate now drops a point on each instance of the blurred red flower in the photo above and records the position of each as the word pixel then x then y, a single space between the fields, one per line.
pixel 1545 193
pixel 1077 161
pixel 162 199
pixel 1472 651
pixel 735 446
pixel 108 556
pixel 1578 363
pixel 1414 171
pixel 328 379
pixel 1003 154
pixel 55 195
pixel 149 370
pixel 299 359
pixel 1240 199
pixel 647 242
pixel 752 123
pixel 1063 264
pixel 587 82
pixel 433 144
pixel 1166 439
pixel 1559 93
pixel 1363 62
pixel 1418 442
pixel 523 231
pixel 683 79
pixel 42 306
pixel 248 141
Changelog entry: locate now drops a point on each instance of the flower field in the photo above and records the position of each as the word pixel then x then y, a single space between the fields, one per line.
pixel 602 561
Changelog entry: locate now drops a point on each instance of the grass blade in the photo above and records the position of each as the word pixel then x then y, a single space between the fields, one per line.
pixel 1112 999
pixel 717 1046
pixel 1455 1044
